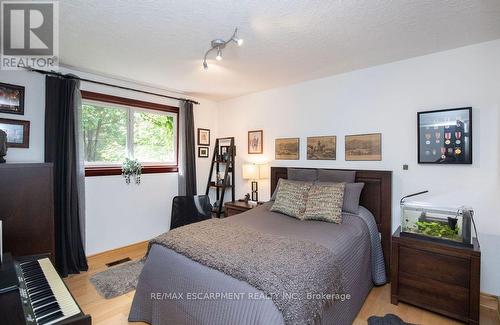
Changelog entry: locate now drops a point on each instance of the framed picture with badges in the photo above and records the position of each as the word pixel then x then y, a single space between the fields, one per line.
pixel 445 136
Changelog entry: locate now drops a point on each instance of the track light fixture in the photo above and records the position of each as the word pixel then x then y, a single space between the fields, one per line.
pixel 219 54
pixel 219 45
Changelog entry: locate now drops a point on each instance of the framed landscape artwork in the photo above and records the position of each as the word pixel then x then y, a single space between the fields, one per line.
pixel 255 139
pixel 287 149
pixel 322 148
pixel 11 99
pixel 18 132
pixel 445 136
pixel 203 137
pixel 363 147
pixel 203 152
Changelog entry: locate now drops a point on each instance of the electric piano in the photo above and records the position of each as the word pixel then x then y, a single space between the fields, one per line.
pixel 41 299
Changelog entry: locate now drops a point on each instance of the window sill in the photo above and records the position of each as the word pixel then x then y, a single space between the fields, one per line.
pixel 91 171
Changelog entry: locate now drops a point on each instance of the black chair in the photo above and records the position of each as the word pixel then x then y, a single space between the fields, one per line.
pixel 190 209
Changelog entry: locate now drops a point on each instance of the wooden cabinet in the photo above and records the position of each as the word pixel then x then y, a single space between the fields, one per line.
pixel 435 276
pixel 236 207
pixel 27 209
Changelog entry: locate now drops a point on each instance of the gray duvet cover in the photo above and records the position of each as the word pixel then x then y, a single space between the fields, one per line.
pixel 173 289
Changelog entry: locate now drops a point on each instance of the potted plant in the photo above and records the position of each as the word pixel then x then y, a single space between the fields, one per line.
pixel 132 168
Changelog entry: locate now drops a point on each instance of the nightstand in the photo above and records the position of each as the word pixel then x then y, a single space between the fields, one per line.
pixel 235 207
pixel 439 277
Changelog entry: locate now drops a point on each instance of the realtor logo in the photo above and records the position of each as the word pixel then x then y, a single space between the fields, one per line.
pixel 29 34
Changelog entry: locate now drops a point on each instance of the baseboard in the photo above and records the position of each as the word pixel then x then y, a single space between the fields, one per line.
pixel 490 302
pixel 141 243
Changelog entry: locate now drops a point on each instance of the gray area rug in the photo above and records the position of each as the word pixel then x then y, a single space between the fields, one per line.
pixel 117 280
pixel 388 319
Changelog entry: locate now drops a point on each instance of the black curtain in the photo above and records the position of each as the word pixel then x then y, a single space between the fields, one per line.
pixel 189 161
pixel 62 98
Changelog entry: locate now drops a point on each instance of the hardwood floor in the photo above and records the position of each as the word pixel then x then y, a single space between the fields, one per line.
pixel 115 311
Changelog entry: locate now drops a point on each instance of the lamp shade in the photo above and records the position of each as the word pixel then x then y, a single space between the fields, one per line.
pixel 255 171
pixel 264 171
pixel 250 171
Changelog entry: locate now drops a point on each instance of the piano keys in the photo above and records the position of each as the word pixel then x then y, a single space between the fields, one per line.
pixel 44 296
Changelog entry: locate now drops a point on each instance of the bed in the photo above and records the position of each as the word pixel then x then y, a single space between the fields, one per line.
pixel 171 285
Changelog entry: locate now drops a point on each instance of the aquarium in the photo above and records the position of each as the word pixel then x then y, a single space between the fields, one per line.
pixel 447 224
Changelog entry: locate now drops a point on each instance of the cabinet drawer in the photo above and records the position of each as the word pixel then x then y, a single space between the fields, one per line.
pixel 232 212
pixel 427 265
pixel 444 298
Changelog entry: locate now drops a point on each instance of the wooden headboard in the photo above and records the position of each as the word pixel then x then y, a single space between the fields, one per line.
pixel 376 197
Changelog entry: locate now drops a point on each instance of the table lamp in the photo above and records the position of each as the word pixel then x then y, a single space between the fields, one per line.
pixel 255 172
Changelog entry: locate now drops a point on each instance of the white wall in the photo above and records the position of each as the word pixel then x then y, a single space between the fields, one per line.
pixel 380 99
pixel 116 214
pixel 205 118
pixel 386 99
pixel 34 111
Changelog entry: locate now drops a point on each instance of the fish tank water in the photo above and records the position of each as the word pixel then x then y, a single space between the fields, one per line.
pixel 433 222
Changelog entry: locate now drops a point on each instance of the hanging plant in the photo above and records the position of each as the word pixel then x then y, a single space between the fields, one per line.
pixel 132 168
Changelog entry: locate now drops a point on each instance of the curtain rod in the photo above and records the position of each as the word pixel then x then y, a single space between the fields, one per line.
pixel 53 73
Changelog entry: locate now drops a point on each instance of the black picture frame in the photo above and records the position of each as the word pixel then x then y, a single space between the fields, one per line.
pixel 447 140
pixel 203 140
pixel 11 109
pixel 203 152
pixel 21 132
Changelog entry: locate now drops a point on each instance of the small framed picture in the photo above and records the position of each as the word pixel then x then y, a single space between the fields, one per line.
pixel 363 147
pixel 287 149
pixel 18 132
pixel 445 136
pixel 255 142
pixel 11 99
pixel 203 152
pixel 203 137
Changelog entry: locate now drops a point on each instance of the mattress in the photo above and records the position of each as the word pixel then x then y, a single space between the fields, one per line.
pixel 173 289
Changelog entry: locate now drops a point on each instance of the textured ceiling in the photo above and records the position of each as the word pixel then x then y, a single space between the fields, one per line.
pixel 162 42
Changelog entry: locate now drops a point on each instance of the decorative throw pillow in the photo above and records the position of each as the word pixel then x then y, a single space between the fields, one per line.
pixel 324 202
pixel 291 198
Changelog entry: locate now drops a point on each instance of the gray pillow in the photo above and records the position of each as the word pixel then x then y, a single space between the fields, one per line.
pixel 352 193
pixel 304 175
pixel 297 174
pixel 336 176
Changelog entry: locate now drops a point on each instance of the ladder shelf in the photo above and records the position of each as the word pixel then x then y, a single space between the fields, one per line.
pixel 226 182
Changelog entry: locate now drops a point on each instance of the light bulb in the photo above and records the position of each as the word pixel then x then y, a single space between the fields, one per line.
pixel 239 42
pixel 219 55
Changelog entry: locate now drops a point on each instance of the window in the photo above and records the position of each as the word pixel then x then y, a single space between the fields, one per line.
pixel 115 128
